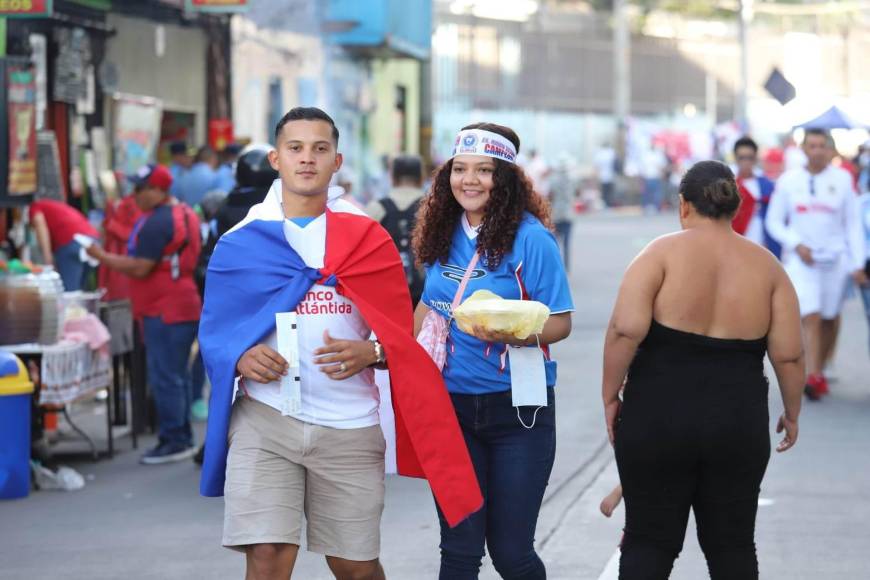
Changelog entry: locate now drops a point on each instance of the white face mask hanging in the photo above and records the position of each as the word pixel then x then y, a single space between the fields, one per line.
pixel 528 380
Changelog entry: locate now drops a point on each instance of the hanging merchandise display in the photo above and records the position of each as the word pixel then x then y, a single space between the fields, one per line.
pixel 51 182
pixel 21 119
pixel 39 58
pixel 72 65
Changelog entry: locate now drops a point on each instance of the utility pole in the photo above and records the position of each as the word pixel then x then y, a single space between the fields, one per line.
pixel 621 73
pixel 744 19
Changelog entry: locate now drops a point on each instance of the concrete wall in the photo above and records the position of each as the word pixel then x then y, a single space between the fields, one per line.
pixel 385 123
pixel 178 77
pixel 262 55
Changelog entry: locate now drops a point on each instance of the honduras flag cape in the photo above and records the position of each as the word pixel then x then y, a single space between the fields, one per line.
pixel 254 274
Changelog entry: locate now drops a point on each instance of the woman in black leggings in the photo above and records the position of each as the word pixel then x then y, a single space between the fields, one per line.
pixel 696 313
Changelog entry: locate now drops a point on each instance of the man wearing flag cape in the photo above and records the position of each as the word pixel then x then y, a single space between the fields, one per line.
pixel 292 296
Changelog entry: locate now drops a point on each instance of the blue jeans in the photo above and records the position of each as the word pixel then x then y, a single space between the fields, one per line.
pixel 513 467
pixel 167 350
pixel 197 371
pixel 69 266
pixel 865 295
pixel 651 197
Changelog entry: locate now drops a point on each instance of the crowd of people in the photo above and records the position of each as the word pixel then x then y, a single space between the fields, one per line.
pixel 252 265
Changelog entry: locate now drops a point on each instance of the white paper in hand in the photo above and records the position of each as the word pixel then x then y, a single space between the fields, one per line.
pixel 86 242
pixel 528 377
pixel 288 347
pixel 83 240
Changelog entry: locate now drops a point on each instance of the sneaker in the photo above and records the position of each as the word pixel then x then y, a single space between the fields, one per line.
pixel 199 411
pixel 822 385
pixel 200 455
pixel 813 389
pixel 168 453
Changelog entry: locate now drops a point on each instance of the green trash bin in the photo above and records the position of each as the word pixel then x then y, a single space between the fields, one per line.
pixel 16 391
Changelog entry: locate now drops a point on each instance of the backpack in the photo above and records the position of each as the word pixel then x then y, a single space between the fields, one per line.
pixel 399 224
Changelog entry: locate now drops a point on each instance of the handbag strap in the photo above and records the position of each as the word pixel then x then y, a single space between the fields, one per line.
pixel 465 278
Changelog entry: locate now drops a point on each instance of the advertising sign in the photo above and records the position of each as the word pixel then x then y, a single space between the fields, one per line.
pixel 25 8
pixel 214 5
pixel 220 133
pixel 21 120
pixel 136 132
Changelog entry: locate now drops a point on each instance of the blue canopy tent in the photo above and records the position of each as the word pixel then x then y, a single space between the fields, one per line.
pixel 833 118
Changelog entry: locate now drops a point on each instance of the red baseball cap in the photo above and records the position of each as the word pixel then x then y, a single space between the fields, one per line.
pixel 152 175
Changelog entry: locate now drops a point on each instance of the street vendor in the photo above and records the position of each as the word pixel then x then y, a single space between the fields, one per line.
pixel 161 257
pixel 55 225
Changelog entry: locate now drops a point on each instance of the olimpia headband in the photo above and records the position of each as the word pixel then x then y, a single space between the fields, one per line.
pixel 480 142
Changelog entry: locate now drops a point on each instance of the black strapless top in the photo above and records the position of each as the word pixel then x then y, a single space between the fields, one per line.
pixel 661 335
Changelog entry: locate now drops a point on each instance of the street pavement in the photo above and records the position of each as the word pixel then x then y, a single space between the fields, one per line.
pixel 138 522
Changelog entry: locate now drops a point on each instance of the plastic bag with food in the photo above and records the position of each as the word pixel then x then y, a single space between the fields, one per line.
pixel 522 318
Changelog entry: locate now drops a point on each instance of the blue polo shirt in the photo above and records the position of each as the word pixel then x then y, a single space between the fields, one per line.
pixel 534 264
pixel 226 178
pixel 194 183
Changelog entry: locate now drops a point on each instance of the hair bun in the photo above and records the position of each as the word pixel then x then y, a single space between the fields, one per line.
pixel 723 196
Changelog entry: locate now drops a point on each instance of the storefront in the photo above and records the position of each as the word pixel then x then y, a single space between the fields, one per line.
pixel 174 88
pixel 91 90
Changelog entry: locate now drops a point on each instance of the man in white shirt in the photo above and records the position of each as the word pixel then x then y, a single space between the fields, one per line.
pixel 322 454
pixel 538 171
pixel 814 215
pixel 605 170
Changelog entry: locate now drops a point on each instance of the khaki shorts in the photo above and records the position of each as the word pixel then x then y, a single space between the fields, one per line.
pixel 279 468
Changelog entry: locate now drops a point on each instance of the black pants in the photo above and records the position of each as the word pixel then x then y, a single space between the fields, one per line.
pixel 700 444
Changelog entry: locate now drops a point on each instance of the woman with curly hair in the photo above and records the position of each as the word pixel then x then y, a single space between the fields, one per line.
pixel 501 387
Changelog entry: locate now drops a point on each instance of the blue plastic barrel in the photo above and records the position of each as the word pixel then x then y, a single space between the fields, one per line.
pixel 15 393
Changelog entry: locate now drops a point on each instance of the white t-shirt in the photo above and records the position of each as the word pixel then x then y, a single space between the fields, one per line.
pixel 653 164
pixel 605 158
pixel 819 211
pixel 348 404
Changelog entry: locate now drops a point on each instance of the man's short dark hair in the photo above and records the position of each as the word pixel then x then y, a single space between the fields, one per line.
pixel 204 154
pixel 407 167
pixel 306 114
pixel 746 142
pixel 819 133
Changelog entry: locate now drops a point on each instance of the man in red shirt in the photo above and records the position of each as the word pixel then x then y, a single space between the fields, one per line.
pixel 55 223
pixel 161 258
